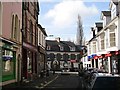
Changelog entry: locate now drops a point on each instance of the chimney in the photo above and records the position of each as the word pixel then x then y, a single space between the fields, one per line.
pixel 57 39
pixel 93 32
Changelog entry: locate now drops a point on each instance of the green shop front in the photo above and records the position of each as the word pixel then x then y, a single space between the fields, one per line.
pixel 8 62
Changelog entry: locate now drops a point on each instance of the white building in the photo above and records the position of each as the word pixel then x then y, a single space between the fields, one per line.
pixel 103 48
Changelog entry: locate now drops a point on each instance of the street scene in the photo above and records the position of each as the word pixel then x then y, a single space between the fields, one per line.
pixel 59 44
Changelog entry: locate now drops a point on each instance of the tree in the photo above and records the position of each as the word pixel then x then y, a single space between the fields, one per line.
pixel 80 35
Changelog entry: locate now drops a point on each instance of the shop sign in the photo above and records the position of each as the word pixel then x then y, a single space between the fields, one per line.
pixel 5 57
pixel 100 56
pixel 29 46
pixel 117 52
pixel 95 57
pixel 108 55
pixel 73 61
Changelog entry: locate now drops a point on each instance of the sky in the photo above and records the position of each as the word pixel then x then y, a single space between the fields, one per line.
pixel 60 17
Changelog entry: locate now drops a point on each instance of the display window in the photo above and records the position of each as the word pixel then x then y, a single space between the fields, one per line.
pixel 7 62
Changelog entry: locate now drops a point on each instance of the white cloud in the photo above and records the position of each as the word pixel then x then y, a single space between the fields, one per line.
pixel 65 13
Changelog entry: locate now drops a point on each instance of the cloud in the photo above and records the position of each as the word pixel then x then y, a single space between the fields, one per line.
pixel 65 13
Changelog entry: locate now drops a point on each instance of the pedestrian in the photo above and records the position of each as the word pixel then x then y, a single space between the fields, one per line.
pixel 53 72
pixel 47 72
pixel 42 74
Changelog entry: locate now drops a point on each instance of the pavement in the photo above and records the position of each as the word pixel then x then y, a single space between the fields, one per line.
pixel 37 84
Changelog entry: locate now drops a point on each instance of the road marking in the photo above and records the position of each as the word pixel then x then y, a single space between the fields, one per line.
pixel 47 83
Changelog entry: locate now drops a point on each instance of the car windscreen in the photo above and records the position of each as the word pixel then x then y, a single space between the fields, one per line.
pixel 107 82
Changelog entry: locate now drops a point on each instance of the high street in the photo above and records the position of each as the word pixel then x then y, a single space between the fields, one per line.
pixel 53 81
pixel 65 81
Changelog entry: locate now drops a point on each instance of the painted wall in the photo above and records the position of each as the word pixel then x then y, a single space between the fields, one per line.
pixel 10 8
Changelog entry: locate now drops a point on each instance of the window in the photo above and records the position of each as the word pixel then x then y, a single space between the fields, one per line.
pixel 39 39
pixel 7 57
pixel 30 33
pixel 112 38
pixel 61 48
pixel 107 41
pixel 94 47
pixel 19 31
pixel 90 48
pixel 12 26
pixel 29 61
pixel 15 34
pixel 48 47
pixel 72 48
pixel 15 28
pixel 113 11
pixel 102 36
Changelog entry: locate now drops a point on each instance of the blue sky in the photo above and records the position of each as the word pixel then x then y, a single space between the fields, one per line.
pixel 59 17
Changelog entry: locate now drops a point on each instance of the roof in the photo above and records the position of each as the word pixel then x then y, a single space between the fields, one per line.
pixel 65 44
pixel 99 24
pixel 106 13
pixel 42 29
pixel 115 2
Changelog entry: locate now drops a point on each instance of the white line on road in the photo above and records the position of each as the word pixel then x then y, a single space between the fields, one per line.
pixel 47 83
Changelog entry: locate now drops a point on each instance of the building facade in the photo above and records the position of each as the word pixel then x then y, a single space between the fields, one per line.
pixel 106 42
pixel 62 54
pixel 10 41
pixel 41 62
pixel 30 12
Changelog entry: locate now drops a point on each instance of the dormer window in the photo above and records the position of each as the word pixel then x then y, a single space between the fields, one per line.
pixel 113 8
pixel 48 47
pixel 61 48
pixel 72 48
pixel 106 17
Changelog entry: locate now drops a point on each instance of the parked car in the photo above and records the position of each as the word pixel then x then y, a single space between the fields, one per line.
pixel 104 81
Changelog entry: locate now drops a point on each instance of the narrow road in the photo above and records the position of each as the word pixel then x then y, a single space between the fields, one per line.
pixel 67 82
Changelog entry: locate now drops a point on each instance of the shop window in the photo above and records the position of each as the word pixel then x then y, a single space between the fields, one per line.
pixel 29 61
pixel 7 62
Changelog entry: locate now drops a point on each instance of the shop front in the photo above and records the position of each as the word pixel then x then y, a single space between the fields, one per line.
pixel 114 61
pixel 8 62
pixel 29 61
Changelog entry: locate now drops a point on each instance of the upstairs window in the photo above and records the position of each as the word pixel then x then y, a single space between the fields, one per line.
pixel 12 34
pixel 31 32
pixel 15 32
pixel 61 48
pixel 16 28
pixel 48 47
pixel 102 41
pixel 72 48
pixel 89 48
pixel 112 38
pixel 94 47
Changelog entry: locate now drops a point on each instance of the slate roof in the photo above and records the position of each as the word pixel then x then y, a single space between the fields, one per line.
pixel 115 2
pixel 106 13
pixel 65 44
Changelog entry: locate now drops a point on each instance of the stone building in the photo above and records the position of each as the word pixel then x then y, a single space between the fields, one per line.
pixel 30 12
pixel 10 42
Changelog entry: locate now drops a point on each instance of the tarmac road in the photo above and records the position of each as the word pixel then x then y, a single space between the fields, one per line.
pixel 66 82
